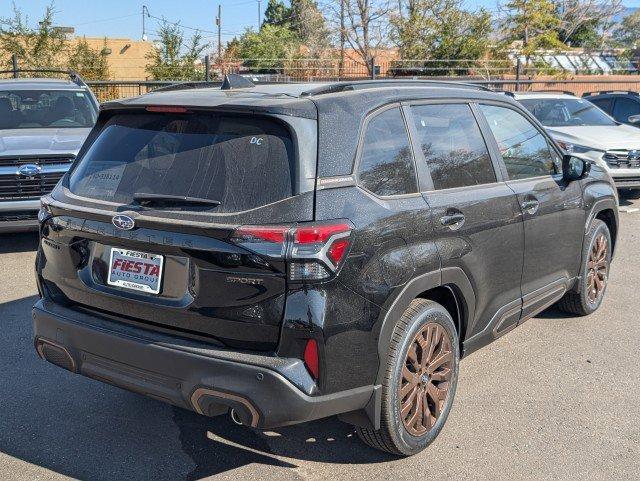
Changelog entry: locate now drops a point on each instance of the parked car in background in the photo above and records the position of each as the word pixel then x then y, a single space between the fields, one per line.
pixel 286 253
pixel 43 124
pixel 622 105
pixel 584 130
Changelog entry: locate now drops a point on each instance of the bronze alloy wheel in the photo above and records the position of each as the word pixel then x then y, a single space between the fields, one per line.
pixel 424 384
pixel 597 269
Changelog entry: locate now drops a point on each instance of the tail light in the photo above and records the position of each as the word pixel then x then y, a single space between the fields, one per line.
pixel 311 359
pixel 316 251
pixel 167 109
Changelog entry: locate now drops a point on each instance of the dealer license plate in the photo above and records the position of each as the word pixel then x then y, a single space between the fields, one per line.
pixel 138 271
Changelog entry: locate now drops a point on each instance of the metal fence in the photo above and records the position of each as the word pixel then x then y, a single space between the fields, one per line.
pixel 105 90
pixel 483 69
pixel 109 90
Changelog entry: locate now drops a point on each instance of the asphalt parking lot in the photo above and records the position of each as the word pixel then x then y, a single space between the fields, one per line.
pixel 558 398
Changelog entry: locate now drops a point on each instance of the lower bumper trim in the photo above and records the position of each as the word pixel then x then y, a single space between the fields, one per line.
pixel 199 378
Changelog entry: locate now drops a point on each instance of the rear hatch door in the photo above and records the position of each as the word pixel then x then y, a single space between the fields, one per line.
pixel 142 228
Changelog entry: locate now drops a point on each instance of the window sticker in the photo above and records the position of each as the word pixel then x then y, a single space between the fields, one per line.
pixel 102 179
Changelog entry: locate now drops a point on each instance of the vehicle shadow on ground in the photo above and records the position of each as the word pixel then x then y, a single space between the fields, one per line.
pixel 554 313
pixel 20 242
pixel 217 445
pixel 628 198
pixel 84 429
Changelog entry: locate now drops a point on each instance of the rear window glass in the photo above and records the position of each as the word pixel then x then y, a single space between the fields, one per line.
pixel 242 162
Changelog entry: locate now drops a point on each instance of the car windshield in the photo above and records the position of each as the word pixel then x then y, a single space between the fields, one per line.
pixel 566 112
pixel 35 109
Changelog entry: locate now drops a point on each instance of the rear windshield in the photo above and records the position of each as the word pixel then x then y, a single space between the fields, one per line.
pixel 29 109
pixel 242 162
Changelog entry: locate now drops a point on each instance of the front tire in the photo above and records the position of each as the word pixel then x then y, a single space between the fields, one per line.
pixel 596 258
pixel 420 380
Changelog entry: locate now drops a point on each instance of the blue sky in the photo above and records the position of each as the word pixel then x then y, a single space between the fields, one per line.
pixel 122 18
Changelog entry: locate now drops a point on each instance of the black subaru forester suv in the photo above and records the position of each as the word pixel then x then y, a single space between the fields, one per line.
pixel 290 252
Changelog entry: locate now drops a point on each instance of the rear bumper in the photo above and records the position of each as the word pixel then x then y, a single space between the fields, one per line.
pixel 265 391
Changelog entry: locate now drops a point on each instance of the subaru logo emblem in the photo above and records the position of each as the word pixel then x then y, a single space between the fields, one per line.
pixel 634 155
pixel 29 170
pixel 123 222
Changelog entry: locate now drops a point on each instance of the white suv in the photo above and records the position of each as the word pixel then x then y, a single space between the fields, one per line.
pixel 584 130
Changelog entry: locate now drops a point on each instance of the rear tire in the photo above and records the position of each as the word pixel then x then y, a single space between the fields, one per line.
pixel 594 273
pixel 419 382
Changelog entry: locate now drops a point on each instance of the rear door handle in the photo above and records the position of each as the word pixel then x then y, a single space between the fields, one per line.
pixel 453 221
pixel 530 206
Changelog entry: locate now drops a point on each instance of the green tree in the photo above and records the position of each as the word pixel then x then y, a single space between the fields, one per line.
pixel 441 30
pixel 89 63
pixel 533 23
pixel 174 58
pixel 628 33
pixel 586 35
pixel 585 23
pixel 39 47
pixel 309 25
pixel 46 46
pixel 277 14
pixel 266 49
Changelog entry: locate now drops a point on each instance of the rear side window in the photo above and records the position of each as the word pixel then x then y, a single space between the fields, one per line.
pixel 453 146
pixel 625 108
pixel 525 151
pixel 386 164
pixel 604 104
pixel 243 162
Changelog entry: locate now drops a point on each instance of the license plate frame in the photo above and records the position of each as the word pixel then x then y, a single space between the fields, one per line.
pixel 136 270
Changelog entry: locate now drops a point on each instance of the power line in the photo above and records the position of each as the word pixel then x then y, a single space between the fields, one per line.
pixel 106 19
pixel 178 24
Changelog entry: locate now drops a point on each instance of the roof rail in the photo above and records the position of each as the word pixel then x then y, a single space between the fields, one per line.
pixel 564 92
pixel 370 84
pixel 602 92
pixel 187 86
pixel 73 75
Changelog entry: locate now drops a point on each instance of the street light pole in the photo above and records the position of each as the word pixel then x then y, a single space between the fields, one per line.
pixel 219 25
pixel 144 30
pixel 259 13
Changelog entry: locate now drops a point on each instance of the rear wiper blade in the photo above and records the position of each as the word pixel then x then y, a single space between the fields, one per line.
pixel 145 199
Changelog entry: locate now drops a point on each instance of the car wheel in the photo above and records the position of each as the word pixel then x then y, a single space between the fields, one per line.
pixel 420 380
pixel 596 257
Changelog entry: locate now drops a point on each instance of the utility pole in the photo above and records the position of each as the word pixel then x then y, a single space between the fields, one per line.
pixel 144 30
pixel 259 13
pixel 14 63
pixel 342 39
pixel 219 25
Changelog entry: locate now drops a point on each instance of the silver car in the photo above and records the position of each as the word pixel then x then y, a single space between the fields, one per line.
pixel 43 124
pixel 585 131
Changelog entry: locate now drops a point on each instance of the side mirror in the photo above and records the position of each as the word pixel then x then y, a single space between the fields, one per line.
pixel 634 119
pixel 574 168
